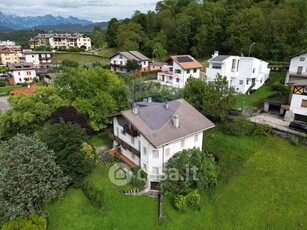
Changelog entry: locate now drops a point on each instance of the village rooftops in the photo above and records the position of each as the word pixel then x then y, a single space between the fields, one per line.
pixel 185 61
pixel 156 122
pixel 132 55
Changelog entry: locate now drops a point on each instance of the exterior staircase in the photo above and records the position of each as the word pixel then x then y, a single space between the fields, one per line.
pixel 105 157
pixel 250 88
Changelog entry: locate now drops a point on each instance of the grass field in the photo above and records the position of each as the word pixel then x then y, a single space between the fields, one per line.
pixel 4 91
pixel 257 98
pixel 82 59
pixel 262 185
pixel 100 139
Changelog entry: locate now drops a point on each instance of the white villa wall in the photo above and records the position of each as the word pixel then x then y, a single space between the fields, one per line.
pixel 148 162
pixel 296 102
pixel 295 63
pixel 20 75
pixel 31 58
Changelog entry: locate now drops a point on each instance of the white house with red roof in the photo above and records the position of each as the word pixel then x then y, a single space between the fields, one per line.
pixel 178 70
pixel 118 61
pixel 151 133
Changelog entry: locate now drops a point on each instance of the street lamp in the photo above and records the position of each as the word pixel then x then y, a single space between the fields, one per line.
pixel 249 52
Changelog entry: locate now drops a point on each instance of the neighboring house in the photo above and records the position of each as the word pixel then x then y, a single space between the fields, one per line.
pixel 8 55
pixel 178 71
pixel 298 100
pixel 119 60
pixel 61 41
pixel 243 73
pixel 7 43
pixel 22 72
pixel 151 133
pixel 298 68
pixel 39 59
pixel 157 65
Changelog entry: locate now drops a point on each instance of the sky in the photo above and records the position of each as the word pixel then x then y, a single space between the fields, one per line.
pixel 93 10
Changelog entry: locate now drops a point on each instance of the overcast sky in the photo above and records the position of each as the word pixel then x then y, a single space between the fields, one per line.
pixel 94 10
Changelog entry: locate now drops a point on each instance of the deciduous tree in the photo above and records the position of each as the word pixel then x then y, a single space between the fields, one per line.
pixel 29 176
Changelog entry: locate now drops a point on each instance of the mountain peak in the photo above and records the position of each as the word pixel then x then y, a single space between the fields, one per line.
pixel 19 22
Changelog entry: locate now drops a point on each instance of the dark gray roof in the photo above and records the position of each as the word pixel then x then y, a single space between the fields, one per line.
pixel 132 55
pixel 20 66
pixel 155 122
pixel 219 58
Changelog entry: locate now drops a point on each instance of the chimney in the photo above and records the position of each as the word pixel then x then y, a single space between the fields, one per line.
pixel 216 53
pixel 149 100
pixel 176 121
pixel 135 109
pixel 166 104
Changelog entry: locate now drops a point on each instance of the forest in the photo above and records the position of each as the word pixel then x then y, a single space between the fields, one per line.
pixel 277 27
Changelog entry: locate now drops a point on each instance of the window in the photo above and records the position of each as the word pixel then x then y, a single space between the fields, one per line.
pixel 155 170
pixel 144 62
pixel 177 80
pixel 194 70
pixel 299 69
pixel 155 154
pixel 302 58
pixel 18 73
pixel 196 138
pixel 253 70
pixel 177 71
pixel 167 152
pixel 120 57
pixel 304 103
pixel 233 66
pixel 188 71
pixel 216 66
pixel 247 82
pixel 241 82
pixel 182 144
pixel 145 167
pixel 132 156
pixel 132 140
pixel 171 78
pixel 144 151
pixel 238 65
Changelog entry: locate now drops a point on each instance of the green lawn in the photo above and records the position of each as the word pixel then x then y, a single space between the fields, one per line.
pixel 4 91
pixel 262 185
pixel 100 139
pixel 257 98
pixel 82 59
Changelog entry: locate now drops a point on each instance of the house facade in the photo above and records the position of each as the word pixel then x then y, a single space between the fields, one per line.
pixel 151 133
pixel 61 41
pixel 178 70
pixel 8 55
pixel 243 73
pixel 118 61
pixel 298 68
pixel 39 59
pixel 22 72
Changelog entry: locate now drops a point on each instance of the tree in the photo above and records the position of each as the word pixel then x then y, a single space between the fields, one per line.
pixel 158 51
pixel 213 99
pixel 97 37
pixel 29 112
pixel 68 141
pixel 29 176
pixel 133 65
pixel 112 32
pixel 94 92
pixel 188 170
pixel 70 114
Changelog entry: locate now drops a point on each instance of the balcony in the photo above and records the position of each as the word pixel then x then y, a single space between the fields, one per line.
pixel 132 132
pixel 298 74
pixel 124 144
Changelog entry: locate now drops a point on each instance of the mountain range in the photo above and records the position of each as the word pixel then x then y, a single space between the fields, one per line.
pixel 14 22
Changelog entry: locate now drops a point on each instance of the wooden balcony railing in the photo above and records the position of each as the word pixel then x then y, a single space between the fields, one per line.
pixel 124 144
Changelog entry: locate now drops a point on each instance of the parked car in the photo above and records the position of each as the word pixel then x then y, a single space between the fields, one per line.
pixel 298 125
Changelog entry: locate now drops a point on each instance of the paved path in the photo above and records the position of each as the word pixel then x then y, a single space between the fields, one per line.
pixel 4 105
pixel 276 122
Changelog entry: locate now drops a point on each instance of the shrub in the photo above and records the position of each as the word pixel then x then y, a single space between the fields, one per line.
pixel 239 126
pixel 191 200
pixel 94 194
pixel 280 89
pixel 2 83
pixel 262 129
pixel 32 222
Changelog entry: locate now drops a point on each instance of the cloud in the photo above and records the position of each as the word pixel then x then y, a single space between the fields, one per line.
pixel 95 10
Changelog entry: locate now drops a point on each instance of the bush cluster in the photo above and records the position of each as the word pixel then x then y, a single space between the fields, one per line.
pixel 241 126
pixel 191 200
pixel 94 194
pixel 32 222
pixel 2 83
